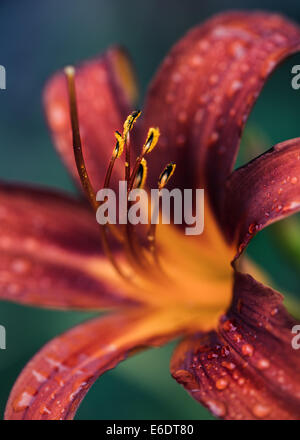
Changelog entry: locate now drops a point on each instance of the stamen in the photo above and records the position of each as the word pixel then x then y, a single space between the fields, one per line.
pixel 141 175
pixel 166 175
pixel 136 253
pixel 119 145
pixel 77 147
pixel 162 181
pixel 118 150
pixel 128 124
pixel 152 139
pixel 81 168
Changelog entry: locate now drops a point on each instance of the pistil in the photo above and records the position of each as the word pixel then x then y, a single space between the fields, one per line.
pixel 81 168
pixel 139 256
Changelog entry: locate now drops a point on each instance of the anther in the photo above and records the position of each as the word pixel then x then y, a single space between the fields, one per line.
pixel 128 124
pixel 141 175
pixel 130 120
pixel 118 150
pixel 151 141
pixel 166 175
pixel 162 181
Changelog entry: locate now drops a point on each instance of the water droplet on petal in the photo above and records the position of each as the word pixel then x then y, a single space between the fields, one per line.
pixel 228 326
pixel 20 265
pixel 44 410
pixel 252 228
pixel 196 60
pixel 261 410
pixel 23 401
pixel 247 350
pixel 221 384
pixel 294 180
pixel 263 364
pixel 228 365
pixel 217 408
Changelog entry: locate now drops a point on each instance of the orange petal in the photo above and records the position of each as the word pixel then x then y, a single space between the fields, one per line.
pixel 51 252
pixel 247 369
pixel 205 89
pixel 264 191
pixel 56 380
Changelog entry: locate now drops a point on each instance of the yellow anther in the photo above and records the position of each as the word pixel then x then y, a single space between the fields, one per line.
pixel 128 124
pixel 118 150
pixel 152 139
pixel 141 175
pixel 166 175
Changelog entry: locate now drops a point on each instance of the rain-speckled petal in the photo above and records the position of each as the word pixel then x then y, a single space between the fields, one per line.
pixel 248 368
pixel 264 191
pixel 204 91
pixel 51 252
pixel 54 382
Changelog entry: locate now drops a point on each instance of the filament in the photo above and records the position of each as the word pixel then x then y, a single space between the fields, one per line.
pixel 81 168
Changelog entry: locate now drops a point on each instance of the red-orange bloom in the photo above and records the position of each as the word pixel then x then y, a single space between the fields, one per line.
pixel 236 356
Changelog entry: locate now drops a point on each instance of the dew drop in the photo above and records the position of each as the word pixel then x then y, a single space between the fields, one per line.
pixel 252 228
pixel 228 365
pixel 58 116
pixel 221 384
pixel 247 350
pixel 23 401
pixel 44 410
pixel 261 411
pixel 20 265
pixel 213 138
pixel 294 180
pixel 39 376
pixel 237 337
pixel 263 364
pixel 228 326
pixel 217 408
pixel 225 351
pixel 196 60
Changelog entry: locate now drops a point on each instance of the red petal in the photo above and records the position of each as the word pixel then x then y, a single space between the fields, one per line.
pixel 262 192
pixel 205 89
pixel 51 253
pixel 104 89
pixel 56 380
pixel 248 369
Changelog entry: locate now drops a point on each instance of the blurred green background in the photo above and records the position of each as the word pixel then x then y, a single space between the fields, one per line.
pixel 39 37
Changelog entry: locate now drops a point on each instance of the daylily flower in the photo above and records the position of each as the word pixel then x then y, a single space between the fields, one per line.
pixel 236 356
